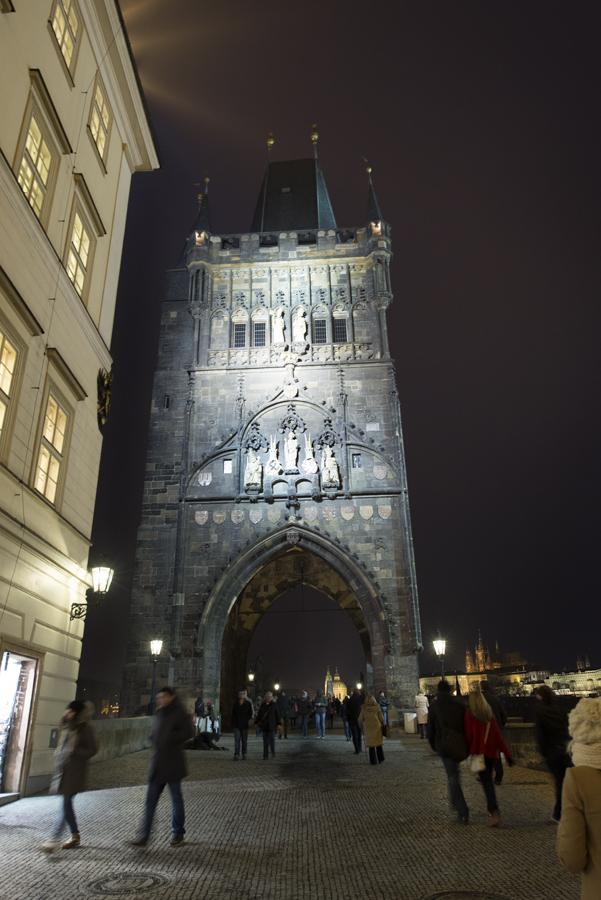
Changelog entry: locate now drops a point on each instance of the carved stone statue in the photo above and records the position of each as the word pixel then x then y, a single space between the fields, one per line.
pixel 253 471
pixel 309 464
pixel 291 452
pixel 273 464
pixel 299 326
pixel 330 476
pixel 278 326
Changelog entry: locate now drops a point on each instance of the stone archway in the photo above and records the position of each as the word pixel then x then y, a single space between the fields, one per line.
pixel 263 573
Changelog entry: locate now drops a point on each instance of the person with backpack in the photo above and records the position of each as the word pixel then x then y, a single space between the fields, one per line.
pixel 446 734
pixel 320 705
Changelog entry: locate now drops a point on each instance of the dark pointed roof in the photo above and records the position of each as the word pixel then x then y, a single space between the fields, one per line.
pixel 203 216
pixel 293 196
pixel 374 213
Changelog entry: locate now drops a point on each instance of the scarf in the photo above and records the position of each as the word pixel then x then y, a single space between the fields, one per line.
pixel 586 754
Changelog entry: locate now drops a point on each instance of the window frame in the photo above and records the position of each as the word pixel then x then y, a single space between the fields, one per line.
pixel 6 431
pixel 236 325
pixel 102 157
pixel 70 67
pixel 51 388
pixel 335 339
pixel 261 324
pixel 314 325
pixel 33 109
pixel 78 209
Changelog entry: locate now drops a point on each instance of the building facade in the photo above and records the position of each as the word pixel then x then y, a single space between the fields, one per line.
pixel 73 130
pixel 275 447
pixel 334 686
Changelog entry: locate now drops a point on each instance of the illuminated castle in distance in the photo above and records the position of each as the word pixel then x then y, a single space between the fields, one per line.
pixel 334 687
pixel 480 659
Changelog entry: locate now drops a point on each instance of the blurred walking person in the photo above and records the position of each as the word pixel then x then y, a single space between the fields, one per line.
pixel 172 728
pixel 242 713
pixel 304 711
pixel 268 720
pixel 501 717
pixel 552 736
pixel 485 742
pixel 320 705
pixel 446 734
pixel 283 705
pixel 353 711
pixel 421 709
pixel 579 833
pixel 345 721
pixel 371 722
pixel 76 746
pixel 383 703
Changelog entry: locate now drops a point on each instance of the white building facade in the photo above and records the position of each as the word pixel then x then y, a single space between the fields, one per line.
pixel 73 130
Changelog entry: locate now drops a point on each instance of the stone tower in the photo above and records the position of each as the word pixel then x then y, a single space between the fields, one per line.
pixel 275 454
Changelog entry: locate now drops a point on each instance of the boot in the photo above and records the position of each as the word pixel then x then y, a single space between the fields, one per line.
pixel 72 842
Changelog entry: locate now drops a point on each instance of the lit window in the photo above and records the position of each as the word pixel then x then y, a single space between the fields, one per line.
pixel 259 334
pixel 239 335
pixel 100 120
pixel 65 25
pixel 34 170
pixel 78 255
pixel 8 362
pixel 339 331
pixel 227 467
pixel 52 446
pixel 319 331
pixel 356 461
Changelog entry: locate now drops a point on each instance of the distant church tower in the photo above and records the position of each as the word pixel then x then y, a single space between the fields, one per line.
pixel 275 450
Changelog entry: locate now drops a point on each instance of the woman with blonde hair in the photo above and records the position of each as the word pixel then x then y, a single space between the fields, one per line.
pixel 579 834
pixel 485 742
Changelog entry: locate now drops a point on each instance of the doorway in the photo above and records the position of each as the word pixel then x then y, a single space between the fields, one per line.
pixel 18 675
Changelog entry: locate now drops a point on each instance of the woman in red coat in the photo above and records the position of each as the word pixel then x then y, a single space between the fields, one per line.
pixel 484 737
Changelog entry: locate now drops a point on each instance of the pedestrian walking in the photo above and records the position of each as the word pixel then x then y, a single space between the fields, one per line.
pixel 76 746
pixel 485 742
pixel 353 711
pixel 384 704
pixel 304 711
pixel 552 736
pixel 172 727
pixel 579 833
pixel 284 706
pixel 371 722
pixel 501 719
pixel 242 713
pixel 421 709
pixel 345 721
pixel 268 720
pixel 446 734
pixel 320 705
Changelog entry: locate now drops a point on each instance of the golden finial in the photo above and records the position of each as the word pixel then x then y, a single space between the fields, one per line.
pixel 206 180
pixel 270 141
pixel 314 134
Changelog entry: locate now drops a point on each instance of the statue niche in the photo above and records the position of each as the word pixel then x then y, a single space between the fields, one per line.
pixel 253 471
pixel 330 475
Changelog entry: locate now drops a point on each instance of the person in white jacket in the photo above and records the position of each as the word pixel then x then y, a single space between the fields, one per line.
pixel 421 708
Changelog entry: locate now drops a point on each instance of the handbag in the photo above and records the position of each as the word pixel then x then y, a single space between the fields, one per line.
pixel 477 761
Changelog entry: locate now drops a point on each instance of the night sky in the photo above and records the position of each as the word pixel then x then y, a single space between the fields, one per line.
pixel 482 123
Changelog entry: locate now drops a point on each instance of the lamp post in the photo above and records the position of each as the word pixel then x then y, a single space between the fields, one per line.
pixel 102 577
pixel 440 646
pixel 276 686
pixel 359 686
pixel 155 652
pixel 251 683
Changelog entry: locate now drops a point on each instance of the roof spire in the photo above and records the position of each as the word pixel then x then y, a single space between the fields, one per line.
pixel 374 213
pixel 314 139
pixel 203 222
pixel 269 142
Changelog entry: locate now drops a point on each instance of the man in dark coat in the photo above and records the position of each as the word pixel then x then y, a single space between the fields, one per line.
pixel 304 711
pixel 552 737
pixel 283 705
pixel 172 728
pixel 498 711
pixel 268 719
pixel 446 735
pixel 353 710
pixel 242 713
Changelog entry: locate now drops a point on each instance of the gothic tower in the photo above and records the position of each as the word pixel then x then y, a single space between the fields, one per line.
pixel 275 454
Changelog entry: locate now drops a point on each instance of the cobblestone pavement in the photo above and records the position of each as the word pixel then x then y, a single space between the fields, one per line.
pixel 315 822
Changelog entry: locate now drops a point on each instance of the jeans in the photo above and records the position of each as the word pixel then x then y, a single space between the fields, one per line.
pixel 240 741
pixel 423 731
pixel 304 725
pixel 557 766
pixel 347 729
pixel 284 726
pixel 455 792
pixel 499 771
pixel 486 781
pixel 320 724
pixel 155 789
pixel 268 743
pixel 356 735
pixel 67 817
pixel 376 755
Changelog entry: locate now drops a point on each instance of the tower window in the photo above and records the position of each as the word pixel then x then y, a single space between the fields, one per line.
pixel 227 467
pixel 339 331
pixel 356 461
pixel 239 335
pixel 259 334
pixel 320 334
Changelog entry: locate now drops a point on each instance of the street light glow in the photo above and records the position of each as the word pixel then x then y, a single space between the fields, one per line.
pixel 251 677
pixel 440 645
pixel 276 686
pixel 156 647
pixel 101 578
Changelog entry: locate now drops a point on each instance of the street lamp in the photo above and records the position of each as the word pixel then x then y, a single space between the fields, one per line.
pixel 251 677
pixel 359 686
pixel 276 686
pixel 155 652
pixel 440 646
pixel 101 582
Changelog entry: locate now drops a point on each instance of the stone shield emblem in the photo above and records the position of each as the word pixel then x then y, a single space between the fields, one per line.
pixel 385 512
pixel 329 513
pixel 366 512
pixel 255 516
pixel 237 516
pixel 273 514
pixel 347 512
pixel 310 513
pixel 218 518
pixel 205 478
pixel 201 516
pixel 380 472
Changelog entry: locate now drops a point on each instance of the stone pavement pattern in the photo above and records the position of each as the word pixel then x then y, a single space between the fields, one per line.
pixel 315 822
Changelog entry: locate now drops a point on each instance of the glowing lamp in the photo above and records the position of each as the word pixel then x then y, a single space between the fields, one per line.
pixel 156 647
pixel 101 579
